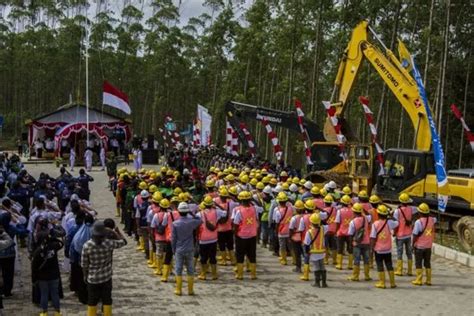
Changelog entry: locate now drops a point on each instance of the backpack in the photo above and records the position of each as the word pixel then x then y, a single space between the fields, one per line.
pixel 359 235
pixel 209 225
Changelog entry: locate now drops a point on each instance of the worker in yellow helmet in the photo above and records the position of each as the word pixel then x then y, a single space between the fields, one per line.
pixel 374 202
pixel 331 240
pixel 281 217
pixel 381 243
pixel 141 203
pixel 359 230
pixel 295 234
pixel 158 228
pixel 314 245
pixel 225 236
pixel 404 214
pixel 153 209
pixel 343 218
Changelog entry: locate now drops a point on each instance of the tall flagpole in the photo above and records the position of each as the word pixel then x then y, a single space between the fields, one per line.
pixel 86 54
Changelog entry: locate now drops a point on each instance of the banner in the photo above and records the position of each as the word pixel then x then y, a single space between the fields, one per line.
pixel 204 120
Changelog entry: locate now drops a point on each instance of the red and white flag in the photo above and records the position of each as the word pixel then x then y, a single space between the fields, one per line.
pixel 115 98
pixel 467 130
pixel 248 137
pixel 341 139
pixel 300 114
pixel 274 139
pixel 228 137
pixel 373 131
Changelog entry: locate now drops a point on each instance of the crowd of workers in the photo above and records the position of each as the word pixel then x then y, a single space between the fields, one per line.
pixel 215 217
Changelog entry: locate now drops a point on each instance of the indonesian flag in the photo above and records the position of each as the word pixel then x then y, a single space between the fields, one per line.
pixel 115 98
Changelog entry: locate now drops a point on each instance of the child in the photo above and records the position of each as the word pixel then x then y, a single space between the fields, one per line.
pixel 423 235
pixel 381 243
pixel 316 249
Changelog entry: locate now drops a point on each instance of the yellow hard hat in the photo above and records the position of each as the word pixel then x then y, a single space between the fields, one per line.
pixel 328 198
pixel 212 169
pixel 254 182
pixel 233 190
pixel 210 184
pixel 363 194
pixel 309 205
pixel 153 188
pixel 169 172
pixel 405 198
pixel 133 174
pixel 273 181
pixel 143 185
pixel 315 219
pixel 382 210
pixel 220 175
pixel 346 190
pixel 357 208
pixel 164 203
pixel 142 170
pixel 282 197
pixel 202 206
pixel 156 197
pixel 315 190
pixel 283 174
pixel 265 180
pixel 244 178
pixel 121 170
pixel 223 191
pixel 302 182
pixel 175 199
pixel 176 174
pixel 217 170
pixel 177 191
pixel 299 205
pixel 225 171
pixel 163 170
pixel 374 199
pixel 258 176
pixel 295 180
pixel 208 200
pixel 285 186
pixel 346 199
pixel 260 186
pixel 235 171
pixel 424 208
pixel 244 195
pixel 323 192
pixel 183 197
pixel 264 171
pixel 230 177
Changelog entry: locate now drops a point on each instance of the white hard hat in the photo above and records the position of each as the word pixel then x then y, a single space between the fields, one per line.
pixel 332 185
pixel 145 194
pixel 183 207
pixel 293 187
pixel 308 185
pixel 277 189
pixel 267 189
pixel 186 171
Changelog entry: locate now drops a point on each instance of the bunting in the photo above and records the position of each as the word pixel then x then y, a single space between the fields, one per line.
pixel 304 134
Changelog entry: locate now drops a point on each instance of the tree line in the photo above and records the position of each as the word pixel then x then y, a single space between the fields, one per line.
pixel 265 53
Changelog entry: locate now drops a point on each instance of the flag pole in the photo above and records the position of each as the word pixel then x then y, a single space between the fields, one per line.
pixel 86 54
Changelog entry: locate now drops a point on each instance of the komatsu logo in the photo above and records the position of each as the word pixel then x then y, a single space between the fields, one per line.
pixel 386 72
pixel 273 119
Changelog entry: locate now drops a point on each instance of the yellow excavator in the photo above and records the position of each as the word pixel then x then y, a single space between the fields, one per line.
pixel 405 170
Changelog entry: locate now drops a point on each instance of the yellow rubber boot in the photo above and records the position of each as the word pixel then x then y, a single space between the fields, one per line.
pixel 43 314
pixel 221 259
pixel 117 211
pixel 355 274
pixel 334 257
pixel 339 262
pixel 190 285
pixel 428 276
pixel 159 265
pixel 410 267
pixel 305 275
pixel 141 244
pixel 233 260
pixel 350 262
pixel 399 268
pixel 239 275
pixel 326 257
pixel 91 310
pixel 202 275
pixel 214 272
pixel 166 273
pixel 247 265
pixel 228 257
pixel 293 258
pixel 179 285
pixel 107 310
pixel 367 272
pixel 391 275
pixel 381 283
pixel 151 258
pixel 419 277
pixel 283 258
pixel 57 313
pixel 253 271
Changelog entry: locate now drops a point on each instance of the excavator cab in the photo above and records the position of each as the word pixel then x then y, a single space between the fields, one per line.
pixel 404 170
pixel 361 167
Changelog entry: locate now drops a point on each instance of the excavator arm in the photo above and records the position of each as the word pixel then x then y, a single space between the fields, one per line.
pixel 397 79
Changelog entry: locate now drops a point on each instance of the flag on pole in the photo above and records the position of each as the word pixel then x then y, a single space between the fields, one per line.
pixel 115 98
pixel 228 137
pixel 274 139
pixel 341 139
pixel 467 130
pixel 373 131
pixel 163 135
pixel 205 122
pixel 196 134
pixel 300 116
pixel 235 143
pixel 441 175
pixel 248 137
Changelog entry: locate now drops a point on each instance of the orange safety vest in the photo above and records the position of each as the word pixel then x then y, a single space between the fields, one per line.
pixel 296 236
pixel 307 224
pixel 285 218
pixel 425 240
pixel 346 216
pixel 318 245
pixel 170 217
pixel 160 237
pixel 404 229
pixel 209 215
pixel 224 227
pixel 319 203
pixel 358 221
pixel 248 225
pixel 331 219
pixel 383 240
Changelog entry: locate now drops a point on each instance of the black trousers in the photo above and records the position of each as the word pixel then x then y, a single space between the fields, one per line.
pixel 168 253
pixel 208 253
pixel 225 240
pixel 100 292
pixel 383 258
pixel 8 271
pixel 423 258
pixel 344 241
pixel 246 247
pixel 297 250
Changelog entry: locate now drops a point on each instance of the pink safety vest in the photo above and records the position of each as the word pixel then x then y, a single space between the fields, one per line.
pixel 366 206
pixel 307 224
pixel 296 236
pixel 331 219
pixel 160 237
pixel 358 221
pixel 248 225
pixel 403 229
pixel 209 215
pixel 383 242
pixel 224 227
pixel 169 225
pixel 345 216
pixel 285 218
pixel 425 240
pixel 319 203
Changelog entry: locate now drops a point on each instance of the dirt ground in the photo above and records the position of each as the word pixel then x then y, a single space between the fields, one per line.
pixel 277 291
